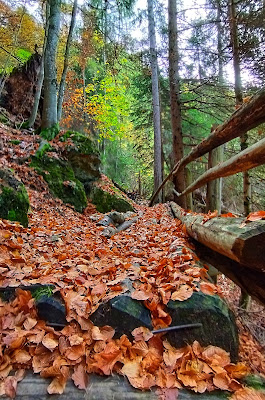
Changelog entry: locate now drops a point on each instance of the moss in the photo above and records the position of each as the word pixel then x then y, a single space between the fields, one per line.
pixel 61 180
pixel 82 143
pixel 43 148
pixel 106 202
pixel 3 119
pixel 255 381
pixel 50 133
pixel 14 201
pixel 14 142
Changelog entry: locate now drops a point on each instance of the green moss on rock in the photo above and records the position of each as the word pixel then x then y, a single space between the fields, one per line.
pixel 61 180
pixel 14 200
pixel 105 202
pixel 83 157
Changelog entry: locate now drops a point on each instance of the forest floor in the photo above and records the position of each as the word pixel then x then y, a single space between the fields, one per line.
pixel 67 249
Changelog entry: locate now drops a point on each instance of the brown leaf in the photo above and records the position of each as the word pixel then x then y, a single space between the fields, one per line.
pixel 80 376
pixel 50 342
pixel 183 293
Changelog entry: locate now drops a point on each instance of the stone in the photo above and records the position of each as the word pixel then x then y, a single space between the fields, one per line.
pixel 51 310
pixel 83 157
pixel 114 387
pixel 219 326
pixel 14 200
pixel 61 180
pixel 122 313
pixel 105 201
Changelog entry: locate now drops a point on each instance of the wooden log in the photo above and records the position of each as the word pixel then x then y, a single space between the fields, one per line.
pixel 227 236
pixel 248 116
pixel 250 158
pixel 252 282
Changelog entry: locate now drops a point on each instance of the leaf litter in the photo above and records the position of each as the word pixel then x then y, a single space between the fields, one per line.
pixel 67 249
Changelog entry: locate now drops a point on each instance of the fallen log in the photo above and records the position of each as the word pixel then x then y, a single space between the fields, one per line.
pixel 252 281
pixel 248 116
pixel 249 158
pixel 243 243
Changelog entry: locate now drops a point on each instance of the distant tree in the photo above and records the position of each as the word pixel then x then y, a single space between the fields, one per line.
pixel 156 101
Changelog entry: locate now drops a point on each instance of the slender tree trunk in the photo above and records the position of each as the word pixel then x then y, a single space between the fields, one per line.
pixel 219 44
pixel 34 111
pixel 49 116
pixel 156 102
pixel 239 98
pixel 175 107
pixel 66 61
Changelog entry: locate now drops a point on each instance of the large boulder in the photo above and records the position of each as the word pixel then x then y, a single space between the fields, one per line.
pixel 14 200
pixel 83 157
pixel 61 180
pixel 106 201
pixel 218 323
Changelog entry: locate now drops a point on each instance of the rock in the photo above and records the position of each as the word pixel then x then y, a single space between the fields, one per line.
pixel 255 381
pixel 51 310
pixel 219 327
pixel 114 387
pixel 61 180
pixel 105 202
pixel 124 315
pixel 117 218
pixel 83 157
pixel 14 200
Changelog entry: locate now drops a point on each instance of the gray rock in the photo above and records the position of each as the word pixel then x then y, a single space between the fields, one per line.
pixel 219 326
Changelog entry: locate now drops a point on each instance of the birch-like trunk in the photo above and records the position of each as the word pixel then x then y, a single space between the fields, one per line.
pixel 34 111
pixel 66 61
pixel 49 116
pixel 175 107
pixel 156 101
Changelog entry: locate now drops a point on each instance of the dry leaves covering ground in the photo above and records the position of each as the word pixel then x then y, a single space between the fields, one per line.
pixel 67 249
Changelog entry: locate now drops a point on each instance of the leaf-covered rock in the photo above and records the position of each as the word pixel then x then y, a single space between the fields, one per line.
pixel 14 201
pixel 61 180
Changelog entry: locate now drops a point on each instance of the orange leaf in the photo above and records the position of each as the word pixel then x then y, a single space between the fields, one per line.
pixel 255 216
pixel 140 295
pixel 104 333
pixel 50 342
pixel 183 293
pixel 142 333
pixel 248 394
pixel 208 288
pixel 80 376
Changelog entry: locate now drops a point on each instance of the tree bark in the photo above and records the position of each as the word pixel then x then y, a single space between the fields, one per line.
pixel 239 98
pixel 34 112
pixel 175 107
pixel 156 101
pixel 250 158
pixel 49 116
pixel 244 244
pixel 248 116
pixel 66 61
pixel 214 188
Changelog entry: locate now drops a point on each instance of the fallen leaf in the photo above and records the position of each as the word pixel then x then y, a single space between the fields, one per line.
pixel 183 293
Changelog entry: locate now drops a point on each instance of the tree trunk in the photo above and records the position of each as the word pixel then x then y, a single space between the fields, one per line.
pixel 175 108
pixel 239 97
pixel 34 112
pixel 66 61
pixel 248 116
pixel 49 116
pixel 214 188
pixel 245 301
pixel 156 102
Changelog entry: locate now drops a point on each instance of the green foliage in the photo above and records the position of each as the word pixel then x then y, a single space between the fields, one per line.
pixel 23 55
pixel 43 148
pixel 42 291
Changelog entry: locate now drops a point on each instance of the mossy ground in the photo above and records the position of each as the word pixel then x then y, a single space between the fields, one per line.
pixel 82 143
pixel 61 180
pixel 14 200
